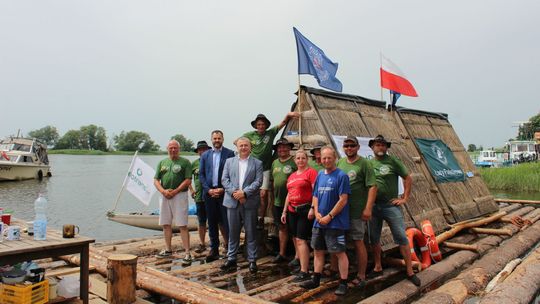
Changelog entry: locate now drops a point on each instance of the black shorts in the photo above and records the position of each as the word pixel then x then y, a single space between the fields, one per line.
pixel 201 213
pixel 299 224
pixel 332 240
pixel 277 212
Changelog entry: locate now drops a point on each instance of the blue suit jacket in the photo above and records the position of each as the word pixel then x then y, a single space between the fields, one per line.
pixel 206 169
pixel 251 186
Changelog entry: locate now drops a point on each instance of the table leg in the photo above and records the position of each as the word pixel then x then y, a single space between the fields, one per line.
pixel 84 273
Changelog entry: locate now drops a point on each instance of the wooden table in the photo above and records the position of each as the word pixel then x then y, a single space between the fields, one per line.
pixel 27 248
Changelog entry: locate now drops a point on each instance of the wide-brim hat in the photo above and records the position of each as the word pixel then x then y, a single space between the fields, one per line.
pixel 381 139
pixel 260 117
pixel 283 141
pixel 317 146
pixel 201 144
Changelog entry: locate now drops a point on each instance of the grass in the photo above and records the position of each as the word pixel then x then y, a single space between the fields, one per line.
pixel 523 177
pixel 98 152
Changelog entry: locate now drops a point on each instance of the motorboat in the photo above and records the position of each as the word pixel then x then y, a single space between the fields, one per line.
pixel 23 158
pixel 148 220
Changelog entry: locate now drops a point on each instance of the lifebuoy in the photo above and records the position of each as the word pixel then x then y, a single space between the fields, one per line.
pixel 4 155
pixel 416 237
pixel 427 229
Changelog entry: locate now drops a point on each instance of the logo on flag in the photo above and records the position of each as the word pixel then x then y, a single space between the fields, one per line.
pixel 313 61
pixel 140 180
pixel 392 78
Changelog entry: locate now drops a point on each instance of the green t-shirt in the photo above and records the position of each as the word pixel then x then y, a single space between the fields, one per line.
pixel 387 171
pixel 196 181
pixel 313 164
pixel 171 173
pixel 361 178
pixel 280 174
pixel 261 146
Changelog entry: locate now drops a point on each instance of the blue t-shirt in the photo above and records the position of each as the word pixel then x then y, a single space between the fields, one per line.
pixel 327 189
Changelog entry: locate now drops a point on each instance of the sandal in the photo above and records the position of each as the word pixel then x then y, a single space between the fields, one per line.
pixel 164 254
pixel 358 282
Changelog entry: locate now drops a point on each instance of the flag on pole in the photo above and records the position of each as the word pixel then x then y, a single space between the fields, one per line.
pixel 392 78
pixel 313 61
pixel 140 180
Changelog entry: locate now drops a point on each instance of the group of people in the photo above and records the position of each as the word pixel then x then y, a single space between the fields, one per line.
pixel 321 202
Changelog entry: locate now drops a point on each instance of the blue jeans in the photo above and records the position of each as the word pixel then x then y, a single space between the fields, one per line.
pixel 216 214
pixel 393 217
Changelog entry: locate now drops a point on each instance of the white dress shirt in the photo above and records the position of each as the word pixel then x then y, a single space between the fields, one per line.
pixel 242 168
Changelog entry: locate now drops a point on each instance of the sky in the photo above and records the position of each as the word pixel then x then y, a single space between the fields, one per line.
pixel 189 67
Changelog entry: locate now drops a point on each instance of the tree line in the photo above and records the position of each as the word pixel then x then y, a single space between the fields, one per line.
pixel 92 137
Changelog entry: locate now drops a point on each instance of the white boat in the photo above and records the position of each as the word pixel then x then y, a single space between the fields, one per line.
pixel 148 221
pixel 23 158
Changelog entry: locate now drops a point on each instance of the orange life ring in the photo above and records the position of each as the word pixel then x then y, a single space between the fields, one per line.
pixel 416 236
pixel 4 155
pixel 427 229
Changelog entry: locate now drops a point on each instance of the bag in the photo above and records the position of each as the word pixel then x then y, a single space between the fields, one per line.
pixel 69 287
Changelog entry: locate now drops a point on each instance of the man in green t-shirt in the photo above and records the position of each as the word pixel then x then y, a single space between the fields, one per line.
pixel 387 205
pixel 196 194
pixel 315 162
pixel 363 193
pixel 172 180
pixel 262 140
pixel 282 167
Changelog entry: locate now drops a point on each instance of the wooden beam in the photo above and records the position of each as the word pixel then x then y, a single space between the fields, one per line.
pixel 491 231
pixel 459 246
pixel 517 201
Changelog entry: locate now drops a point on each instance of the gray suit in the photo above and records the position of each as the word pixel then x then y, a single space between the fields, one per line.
pixel 247 212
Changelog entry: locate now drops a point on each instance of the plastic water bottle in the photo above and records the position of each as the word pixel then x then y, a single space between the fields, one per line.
pixel 40 221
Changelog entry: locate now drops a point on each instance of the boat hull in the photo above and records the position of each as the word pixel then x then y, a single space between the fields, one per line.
pixel 16 172
pixel 149 221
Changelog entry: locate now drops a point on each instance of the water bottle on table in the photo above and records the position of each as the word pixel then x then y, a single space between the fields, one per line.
pixel 40 221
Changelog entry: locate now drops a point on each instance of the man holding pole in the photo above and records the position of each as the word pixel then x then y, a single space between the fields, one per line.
pixel 172 180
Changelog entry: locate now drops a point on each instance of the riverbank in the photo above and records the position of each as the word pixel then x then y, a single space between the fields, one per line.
pixel 98 152
pixel 523 177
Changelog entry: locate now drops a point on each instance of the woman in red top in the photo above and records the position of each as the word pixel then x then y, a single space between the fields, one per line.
pixel 297 211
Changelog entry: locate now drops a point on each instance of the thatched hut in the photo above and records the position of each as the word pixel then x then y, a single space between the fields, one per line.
pixel 327 114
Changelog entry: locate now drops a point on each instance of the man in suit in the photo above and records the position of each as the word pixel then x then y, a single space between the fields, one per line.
pixel 210 173
pixel 242 179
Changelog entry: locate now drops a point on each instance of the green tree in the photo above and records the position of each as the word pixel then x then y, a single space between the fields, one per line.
pixel 70 140
pixel 526 131
pixel 471 148
pixel 132 140
pixel 185 144
pixel 48 135
pixel 93 138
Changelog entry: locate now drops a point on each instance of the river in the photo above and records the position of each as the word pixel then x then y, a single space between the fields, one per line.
pixel 84 187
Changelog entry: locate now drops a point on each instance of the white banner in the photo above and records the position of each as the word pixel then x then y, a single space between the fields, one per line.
pixel 140 181
pixel 364 151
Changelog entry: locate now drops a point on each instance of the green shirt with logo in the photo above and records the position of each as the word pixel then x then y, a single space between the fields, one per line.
pixel 280 174
pixel 387 171
pixel 261 145
pixel 361 178
pixel 196 181
pixel 313 164
pixel 171 173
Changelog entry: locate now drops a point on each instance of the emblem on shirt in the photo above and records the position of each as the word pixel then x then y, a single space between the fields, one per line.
pixel 385 169
pixel 176 168
pixel 352 175
pixel 287 169
pixel 266 139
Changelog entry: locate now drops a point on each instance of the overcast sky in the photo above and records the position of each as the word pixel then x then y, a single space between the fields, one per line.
pixel 168 67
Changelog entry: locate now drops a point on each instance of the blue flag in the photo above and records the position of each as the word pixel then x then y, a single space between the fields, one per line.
pixel 313 61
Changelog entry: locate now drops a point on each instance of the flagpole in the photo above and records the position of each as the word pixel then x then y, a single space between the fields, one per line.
pixel 124 183
pixel 300 111
pixel 380 58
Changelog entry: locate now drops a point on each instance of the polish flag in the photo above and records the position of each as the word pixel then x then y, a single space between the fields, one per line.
pixel 392 78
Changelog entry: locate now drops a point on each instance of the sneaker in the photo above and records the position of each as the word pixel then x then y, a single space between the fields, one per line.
pixel 200 249
pixel 294 263
pixel 341 290
pixel 278 259
pixel 164 254
pixel 301 276
pixel 414 279
pixel 187 259
pixel 311 284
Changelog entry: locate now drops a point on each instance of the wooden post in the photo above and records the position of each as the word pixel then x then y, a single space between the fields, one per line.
pixel 121 278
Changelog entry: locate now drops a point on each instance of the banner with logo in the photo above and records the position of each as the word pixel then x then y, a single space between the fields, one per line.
pixel 140 180
pixel 440 160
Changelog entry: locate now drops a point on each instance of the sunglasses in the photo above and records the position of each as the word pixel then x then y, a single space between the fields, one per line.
pixel 349 146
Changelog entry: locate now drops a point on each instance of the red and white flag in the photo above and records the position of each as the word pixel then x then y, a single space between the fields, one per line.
pixel 392 78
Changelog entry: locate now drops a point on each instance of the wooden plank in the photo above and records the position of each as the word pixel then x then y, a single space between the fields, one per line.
pixel 98 288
